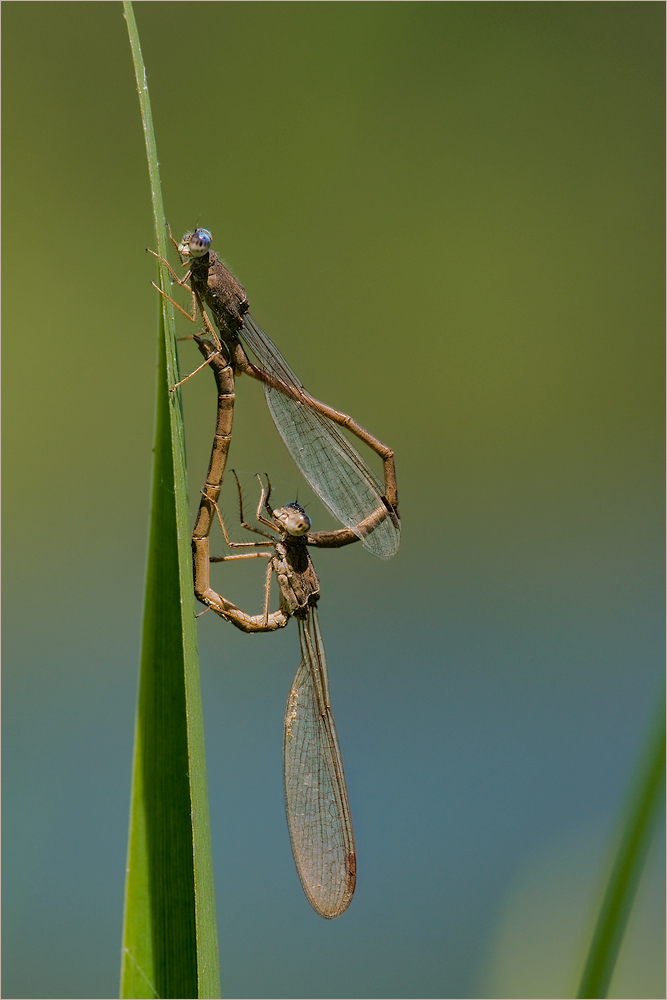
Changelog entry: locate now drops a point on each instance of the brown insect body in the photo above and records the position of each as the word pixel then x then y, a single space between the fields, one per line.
pixel 297 579
pixel 221 292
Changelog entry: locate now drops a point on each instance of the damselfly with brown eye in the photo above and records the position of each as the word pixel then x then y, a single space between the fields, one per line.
pixel 316 802
pixel 337 473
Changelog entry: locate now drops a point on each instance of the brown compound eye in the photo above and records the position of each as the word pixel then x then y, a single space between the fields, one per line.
pixel 294 519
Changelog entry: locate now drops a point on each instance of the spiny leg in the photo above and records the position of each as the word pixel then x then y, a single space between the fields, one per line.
pixel 163 260
pixel 238 545
pixel 197 307
pixel 264 502
pixel 244 523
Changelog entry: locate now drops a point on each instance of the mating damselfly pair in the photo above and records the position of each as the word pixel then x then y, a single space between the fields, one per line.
pixel 316 799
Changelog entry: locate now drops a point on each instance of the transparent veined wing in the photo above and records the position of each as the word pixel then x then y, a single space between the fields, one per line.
pixel 318 811
pixel 336 471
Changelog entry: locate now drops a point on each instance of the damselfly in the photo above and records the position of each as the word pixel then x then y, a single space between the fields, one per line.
pixel 335 470
pixel 316 802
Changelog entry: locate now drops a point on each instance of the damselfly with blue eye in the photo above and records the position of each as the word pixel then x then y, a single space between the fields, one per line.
pixel 337 473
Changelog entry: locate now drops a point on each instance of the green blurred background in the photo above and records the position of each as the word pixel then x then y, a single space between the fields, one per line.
pixel 450 218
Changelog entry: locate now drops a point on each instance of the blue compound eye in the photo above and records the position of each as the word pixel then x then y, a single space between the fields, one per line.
pixel 200 242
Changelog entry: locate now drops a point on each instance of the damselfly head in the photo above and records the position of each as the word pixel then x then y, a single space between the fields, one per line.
pixel 195 244
pixel 293 519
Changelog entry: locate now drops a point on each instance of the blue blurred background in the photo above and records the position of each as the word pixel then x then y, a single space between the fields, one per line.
pixel 450 218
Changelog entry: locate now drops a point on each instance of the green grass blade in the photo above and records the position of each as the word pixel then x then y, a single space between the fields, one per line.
pixel 170 946
pixel 640 822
